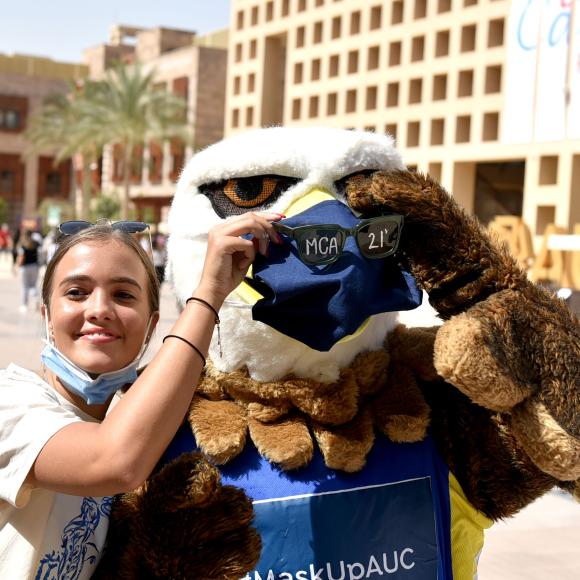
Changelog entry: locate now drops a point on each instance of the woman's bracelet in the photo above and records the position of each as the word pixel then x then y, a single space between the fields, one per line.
pixel 186 342
pixel 217 318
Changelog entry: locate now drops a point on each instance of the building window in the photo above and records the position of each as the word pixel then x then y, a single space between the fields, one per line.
pixel 315 70
pixel 492 79
pixel 417 48
pixel 465 83
pixel 490 130
pixel 376 17
pixel 253 48
pixel 296 108
pixel 336 27
pixel 177 149
pixel 439 87
pixel 420 9
pixel 7 181
pixel 413 133
pixel 235 118
pixel 238 52
pixel 437 131
pixel 443 6
pixel 355 23
pixel 237 85
pixel 313 107
pixel 269 11
pixel 371 99
pixel 331 103
pixel 548 170
pixel 373 57
pixel 254 15
pixel 249 116
pixel 392 94
pixel 155 162
pixel 352 62
pixel 317 35
pixel 334 65
pixel 468 34
pixel 300 36
pixel 53 183
pixel 285 7
pixel 397 12
pixel 391 129
pixel 415 91
pixel 442 43
pixel 10 120
pixel 301 5
pixel 463 129
pixel 495 32
pixel 298 73
pixel 395 49
pixel 251 82
pixel 240 20
pixel 350 101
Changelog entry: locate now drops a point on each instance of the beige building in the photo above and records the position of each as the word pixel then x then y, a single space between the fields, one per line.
pixel 185 64
pixel 433 73
pixel 27 180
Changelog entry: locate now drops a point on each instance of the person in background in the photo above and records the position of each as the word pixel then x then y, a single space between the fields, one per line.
pixel 5 241
pixel 28 265
pixel 159 255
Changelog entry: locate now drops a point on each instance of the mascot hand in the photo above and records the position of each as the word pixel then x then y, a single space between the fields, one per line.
pixel 219 542
pixel 507 344
pixel 519 352
pixel 449 253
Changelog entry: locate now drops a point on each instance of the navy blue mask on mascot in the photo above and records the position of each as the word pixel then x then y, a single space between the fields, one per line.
pixel 339 296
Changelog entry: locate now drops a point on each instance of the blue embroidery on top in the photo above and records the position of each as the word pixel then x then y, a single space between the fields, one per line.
pixel 77 545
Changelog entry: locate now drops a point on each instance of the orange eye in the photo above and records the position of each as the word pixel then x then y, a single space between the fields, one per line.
pixel 237 195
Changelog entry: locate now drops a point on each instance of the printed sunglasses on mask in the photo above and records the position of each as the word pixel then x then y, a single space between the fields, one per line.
pixel 323 244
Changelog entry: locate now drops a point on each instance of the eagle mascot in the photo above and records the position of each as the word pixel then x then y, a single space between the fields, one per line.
pixel 344 428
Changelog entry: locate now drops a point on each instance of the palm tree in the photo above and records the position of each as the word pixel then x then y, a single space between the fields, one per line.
pixel 131 112
pixel 63 126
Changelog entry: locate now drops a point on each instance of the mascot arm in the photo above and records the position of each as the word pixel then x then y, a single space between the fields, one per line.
pixel 507 344
pixel 200 530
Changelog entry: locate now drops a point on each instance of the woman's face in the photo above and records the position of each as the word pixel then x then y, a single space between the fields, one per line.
pixel 99 309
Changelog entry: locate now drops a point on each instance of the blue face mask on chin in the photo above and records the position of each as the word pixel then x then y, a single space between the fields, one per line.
pixel 94 391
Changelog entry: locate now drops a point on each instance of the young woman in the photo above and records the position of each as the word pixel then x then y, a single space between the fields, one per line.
pixel 64 450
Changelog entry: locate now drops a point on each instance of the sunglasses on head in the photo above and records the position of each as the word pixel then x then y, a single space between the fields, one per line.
pixel 323 244
pixel 73 227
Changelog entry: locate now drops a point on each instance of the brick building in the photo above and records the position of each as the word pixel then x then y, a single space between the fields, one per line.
pixel 26 180
pixel 465 86
pixel 185 64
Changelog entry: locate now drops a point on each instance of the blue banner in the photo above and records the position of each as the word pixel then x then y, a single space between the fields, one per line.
pixel 367 532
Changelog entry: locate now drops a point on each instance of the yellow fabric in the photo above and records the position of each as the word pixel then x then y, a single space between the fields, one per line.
pixel 467 532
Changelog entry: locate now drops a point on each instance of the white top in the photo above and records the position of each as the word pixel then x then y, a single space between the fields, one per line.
pixel 43 534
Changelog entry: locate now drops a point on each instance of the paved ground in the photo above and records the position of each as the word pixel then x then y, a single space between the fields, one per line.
pixel 541 542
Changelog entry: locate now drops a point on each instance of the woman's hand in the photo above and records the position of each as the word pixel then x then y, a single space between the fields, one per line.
pixel 229 255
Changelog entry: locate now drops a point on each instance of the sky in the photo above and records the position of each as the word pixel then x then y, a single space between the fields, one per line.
pixel 62 29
